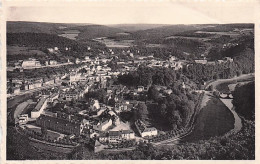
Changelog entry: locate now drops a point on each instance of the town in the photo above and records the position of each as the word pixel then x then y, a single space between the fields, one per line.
pixel 109 96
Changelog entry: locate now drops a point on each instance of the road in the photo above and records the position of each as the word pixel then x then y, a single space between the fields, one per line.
pixel 32 90
pixel 205 99
pixel 219 81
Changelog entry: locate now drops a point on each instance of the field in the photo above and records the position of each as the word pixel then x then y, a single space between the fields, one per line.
pixel 220 33
pixel 115 43
pixel 15 53
pixel 16 50
pixel 214 119
pixel 70 34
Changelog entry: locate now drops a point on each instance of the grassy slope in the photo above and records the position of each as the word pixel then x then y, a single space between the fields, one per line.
pixel 213 120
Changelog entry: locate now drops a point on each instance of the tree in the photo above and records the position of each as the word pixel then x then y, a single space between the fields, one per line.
pixel 153 93
pixel 44 131
pixel 141 112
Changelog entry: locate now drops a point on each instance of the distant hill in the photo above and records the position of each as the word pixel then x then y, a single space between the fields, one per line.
pixel 136 27
pixel 87 31
pixel 228 27
pixel 38 27
pixel 95 31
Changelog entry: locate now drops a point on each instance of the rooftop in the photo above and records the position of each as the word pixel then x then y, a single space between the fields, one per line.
pixel 40 103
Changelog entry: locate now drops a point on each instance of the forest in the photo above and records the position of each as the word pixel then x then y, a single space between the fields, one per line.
pixel 44 41
pixel 244 100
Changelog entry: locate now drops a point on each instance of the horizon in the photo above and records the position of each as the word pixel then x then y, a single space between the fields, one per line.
pixel 128 23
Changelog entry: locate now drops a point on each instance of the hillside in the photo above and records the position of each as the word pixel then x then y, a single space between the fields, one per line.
pixel 136 27
pixel 87 31
pixel 95 31
pixel 37 27
pixel 21 46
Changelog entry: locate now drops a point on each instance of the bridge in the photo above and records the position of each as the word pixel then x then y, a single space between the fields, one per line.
pixel 226 95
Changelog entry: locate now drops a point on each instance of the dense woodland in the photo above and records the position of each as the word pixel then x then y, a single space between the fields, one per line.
pixel 242 64
pixel 244 100
pixel 43 41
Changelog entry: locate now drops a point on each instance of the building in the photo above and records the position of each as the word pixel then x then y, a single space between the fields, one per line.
pixel 140 89
pixel 103 125
pixel 228 59
pixel 145 131
pixel 16 90
pixel 127 135
pixel 59 124
pixel 23 119
pixel 202 61
pixel 34 85
pixel 148 132
pixel 103 137
pixel 117 136
pixel 114 137
pixel 53 62
pixel 41 105
pixel 72 95
pixel 53 97
pixel 74 77
pixel 31 63
pixel 94 104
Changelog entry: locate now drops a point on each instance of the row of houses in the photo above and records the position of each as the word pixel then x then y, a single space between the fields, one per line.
pixel 205 61
pixel 17 87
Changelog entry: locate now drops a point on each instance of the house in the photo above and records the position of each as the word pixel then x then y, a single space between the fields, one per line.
pixel 87 59
pixel 103 137
pixel 228 59
pixel 30 63
pixel 41 105
pixel 103 125
pixel 23 119
pixel 53 62
pixel 34 85
pixel 168 91
pixel 140 89
pixel 74 77
pixel 117 136
pixel 73 95
pixel 49 81
pixel 16 90
pixel 145 131
pixel 116 120
pixel 114 137
pixel 127 135
pixel 51 50
pixel 93 133
pixel 149 132
pixel 201 61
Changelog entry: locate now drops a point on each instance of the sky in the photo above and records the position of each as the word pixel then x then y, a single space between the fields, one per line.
pixel 130 12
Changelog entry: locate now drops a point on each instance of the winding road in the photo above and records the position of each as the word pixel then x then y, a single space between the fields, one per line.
pixel 207 96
